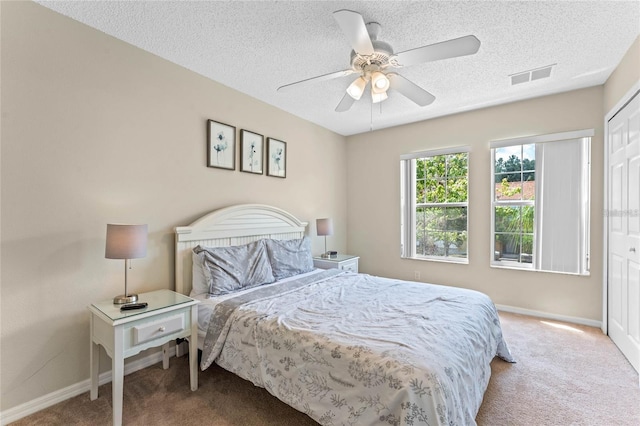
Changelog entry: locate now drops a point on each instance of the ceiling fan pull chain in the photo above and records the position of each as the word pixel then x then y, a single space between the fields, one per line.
pixel 371 118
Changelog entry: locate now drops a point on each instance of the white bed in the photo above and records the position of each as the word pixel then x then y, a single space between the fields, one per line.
pixel 344 348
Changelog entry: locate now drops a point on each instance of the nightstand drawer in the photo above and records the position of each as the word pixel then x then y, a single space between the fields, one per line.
pixel 153 331
pixel 156 329
pixel 350 265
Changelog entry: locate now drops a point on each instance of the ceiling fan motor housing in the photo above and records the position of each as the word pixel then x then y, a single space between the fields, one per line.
pixel 380 57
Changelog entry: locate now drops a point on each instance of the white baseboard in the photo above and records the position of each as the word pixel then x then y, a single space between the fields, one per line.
pixel 23 410
pixel 540 314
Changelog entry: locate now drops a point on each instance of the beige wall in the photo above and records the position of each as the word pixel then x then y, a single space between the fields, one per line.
pixel 374 208
pixel 97 131
pixel 626 74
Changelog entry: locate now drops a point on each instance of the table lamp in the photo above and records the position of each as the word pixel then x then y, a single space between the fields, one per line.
pixel 126 242
pixel 324 227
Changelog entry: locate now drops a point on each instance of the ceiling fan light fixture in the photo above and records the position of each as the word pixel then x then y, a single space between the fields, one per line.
pixel 379 82
pixel 378 97
pixel 356 89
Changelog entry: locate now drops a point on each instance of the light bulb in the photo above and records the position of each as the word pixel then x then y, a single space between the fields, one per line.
pixel 379 82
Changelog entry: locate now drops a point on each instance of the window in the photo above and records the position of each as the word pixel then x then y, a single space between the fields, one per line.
pixel 434 203
pixel 540 202
pixel 514 203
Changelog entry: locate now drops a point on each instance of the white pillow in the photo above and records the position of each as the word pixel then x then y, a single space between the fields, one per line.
pixel 199 279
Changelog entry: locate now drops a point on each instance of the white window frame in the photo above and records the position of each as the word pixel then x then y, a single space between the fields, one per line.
pixel 509 203
pixel 585 246
pixel 408 205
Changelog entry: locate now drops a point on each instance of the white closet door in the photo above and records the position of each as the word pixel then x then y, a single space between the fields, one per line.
pixel 624 231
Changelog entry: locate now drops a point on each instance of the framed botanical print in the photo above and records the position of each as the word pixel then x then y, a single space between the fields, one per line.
pixel 251 152
pixel 221 145
pixel 276 158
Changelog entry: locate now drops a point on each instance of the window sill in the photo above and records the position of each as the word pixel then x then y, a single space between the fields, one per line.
pixel 457 260
pixel 513 265
pixel 532 269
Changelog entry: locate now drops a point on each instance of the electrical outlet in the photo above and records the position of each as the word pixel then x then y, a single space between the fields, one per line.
pixel 416 275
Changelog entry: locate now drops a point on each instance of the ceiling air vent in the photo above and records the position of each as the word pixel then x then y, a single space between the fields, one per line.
pixel 531 75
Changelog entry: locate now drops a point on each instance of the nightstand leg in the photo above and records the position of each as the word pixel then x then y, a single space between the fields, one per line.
pixel 193 349
pixel 94 366
pixel 117 377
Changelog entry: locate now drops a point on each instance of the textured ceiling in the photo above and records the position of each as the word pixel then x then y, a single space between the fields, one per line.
pixel 255 47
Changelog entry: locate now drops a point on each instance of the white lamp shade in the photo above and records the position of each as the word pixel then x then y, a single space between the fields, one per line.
pixel 356 89
pixel 378 97
pixel 324 226
pixel 126 241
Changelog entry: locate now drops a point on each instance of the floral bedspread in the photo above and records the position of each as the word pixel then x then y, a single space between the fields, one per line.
pixel 354 349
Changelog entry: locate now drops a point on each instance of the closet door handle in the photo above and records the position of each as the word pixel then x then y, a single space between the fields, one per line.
pixel 632 249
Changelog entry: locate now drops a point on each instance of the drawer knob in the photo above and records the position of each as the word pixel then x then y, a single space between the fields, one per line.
pixel 161 328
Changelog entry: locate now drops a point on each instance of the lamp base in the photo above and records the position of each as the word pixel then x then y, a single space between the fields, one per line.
pixel 125 298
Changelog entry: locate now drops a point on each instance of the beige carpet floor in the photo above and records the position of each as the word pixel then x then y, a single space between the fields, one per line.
pixel 565 375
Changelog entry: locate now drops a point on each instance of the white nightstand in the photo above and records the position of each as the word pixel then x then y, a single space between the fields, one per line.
pixel 340 261
pixel 122 334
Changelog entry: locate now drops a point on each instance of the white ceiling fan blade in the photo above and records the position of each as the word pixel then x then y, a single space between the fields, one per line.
pixel 345 103
pixel 409 89
pixel 319 78
pixel 462 46
pixel 354 28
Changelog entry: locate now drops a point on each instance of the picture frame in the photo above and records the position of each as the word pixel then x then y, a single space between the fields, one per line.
pixel 221 145
pixel 276 158
pixel 251 152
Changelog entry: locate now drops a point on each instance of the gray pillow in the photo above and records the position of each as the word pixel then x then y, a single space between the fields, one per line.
pixel 290 257
pixel 229 269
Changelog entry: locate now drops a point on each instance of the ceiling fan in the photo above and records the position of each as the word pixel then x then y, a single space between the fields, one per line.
pixel 373 59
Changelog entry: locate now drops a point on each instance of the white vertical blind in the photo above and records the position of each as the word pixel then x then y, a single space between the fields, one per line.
pixel 560 195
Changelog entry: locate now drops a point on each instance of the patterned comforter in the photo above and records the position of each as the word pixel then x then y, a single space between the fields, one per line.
pixel 354 349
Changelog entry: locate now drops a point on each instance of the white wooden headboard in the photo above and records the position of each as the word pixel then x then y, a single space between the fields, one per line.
pixel 231 226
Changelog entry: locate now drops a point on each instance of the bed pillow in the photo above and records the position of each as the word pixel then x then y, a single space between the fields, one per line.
pixel 289 257
pixel 229 269
pixel 199 281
